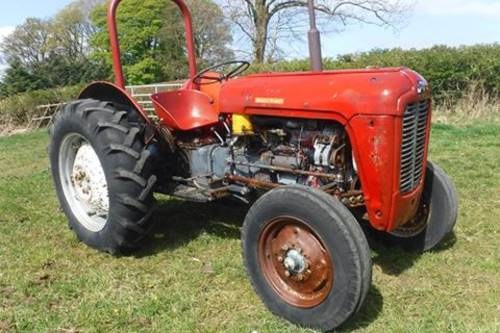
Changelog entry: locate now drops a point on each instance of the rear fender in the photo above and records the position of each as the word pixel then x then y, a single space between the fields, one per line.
pixel 108 92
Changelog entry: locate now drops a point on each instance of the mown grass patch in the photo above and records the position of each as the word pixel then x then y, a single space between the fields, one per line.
pixel 190 277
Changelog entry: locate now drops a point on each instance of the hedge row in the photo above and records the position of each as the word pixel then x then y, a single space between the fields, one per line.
pixel 450 70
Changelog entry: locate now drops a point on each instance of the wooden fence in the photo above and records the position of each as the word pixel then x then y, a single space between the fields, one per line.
pixel 141 93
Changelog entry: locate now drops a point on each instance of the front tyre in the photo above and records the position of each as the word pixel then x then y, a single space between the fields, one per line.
pixel 436 217
pixel 306 257
pixel 102 173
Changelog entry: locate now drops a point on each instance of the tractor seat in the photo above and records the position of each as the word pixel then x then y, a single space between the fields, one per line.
pixel 184 109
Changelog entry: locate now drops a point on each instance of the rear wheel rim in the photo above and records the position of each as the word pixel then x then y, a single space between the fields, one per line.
pixel 83 182
pixel 295 262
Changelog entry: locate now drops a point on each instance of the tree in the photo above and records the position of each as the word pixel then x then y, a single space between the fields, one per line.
pixel 143 46
pixel 152 38
pixel 24 50
pixel 17 79
pixel 29 43
pixel 48 53
pixel 212 32
pixel 71 30
pixel 263 22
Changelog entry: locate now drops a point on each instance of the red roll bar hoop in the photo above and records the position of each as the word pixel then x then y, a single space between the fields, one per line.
pixel 115 44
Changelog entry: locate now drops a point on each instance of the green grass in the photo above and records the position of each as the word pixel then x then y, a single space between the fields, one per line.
pixel 190 276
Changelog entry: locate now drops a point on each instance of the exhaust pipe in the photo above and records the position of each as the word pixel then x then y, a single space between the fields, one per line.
pixel 314 40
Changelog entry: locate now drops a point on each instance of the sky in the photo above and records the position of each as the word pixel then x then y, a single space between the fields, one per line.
pixel 450 22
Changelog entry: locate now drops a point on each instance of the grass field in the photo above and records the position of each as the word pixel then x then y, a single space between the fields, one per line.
pixel 190 276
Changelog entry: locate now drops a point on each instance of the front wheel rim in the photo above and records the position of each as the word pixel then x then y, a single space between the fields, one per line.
pixel 83 182
pixel 295 262
pixel 417 224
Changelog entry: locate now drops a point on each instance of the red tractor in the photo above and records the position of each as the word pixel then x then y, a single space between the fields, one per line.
pixel 323 151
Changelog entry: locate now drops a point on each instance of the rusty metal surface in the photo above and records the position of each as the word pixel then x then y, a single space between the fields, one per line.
pixel 253 182
pixel 287 170
pixel 295 262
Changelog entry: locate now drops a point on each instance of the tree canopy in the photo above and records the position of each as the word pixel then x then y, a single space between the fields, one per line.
pixel 73 46
pixel 49 53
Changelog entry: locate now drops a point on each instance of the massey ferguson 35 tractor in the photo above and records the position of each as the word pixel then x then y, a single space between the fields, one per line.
pixel 325 152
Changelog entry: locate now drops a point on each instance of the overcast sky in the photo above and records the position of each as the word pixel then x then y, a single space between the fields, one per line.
pixel 451 22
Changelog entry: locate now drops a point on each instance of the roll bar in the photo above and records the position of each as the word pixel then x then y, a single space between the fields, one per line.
pixel 115 44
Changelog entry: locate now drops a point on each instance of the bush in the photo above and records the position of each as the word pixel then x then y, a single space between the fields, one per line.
pixel 18 110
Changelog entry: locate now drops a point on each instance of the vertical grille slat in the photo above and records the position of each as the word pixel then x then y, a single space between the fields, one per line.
pixel 413 141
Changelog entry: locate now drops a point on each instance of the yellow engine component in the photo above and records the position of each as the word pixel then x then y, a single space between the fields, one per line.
pixel 242 125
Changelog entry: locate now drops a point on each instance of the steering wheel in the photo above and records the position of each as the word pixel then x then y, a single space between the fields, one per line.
pixel 204 77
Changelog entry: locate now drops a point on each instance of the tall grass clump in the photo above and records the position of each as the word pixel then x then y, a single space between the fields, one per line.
pixel 476 103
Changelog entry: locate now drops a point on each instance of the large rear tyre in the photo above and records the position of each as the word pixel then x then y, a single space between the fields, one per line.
pixel 306 256
pixel 102 173
pixel 435 219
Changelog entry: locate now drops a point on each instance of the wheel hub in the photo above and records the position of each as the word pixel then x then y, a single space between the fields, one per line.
pixel 89 180
pixel 295 262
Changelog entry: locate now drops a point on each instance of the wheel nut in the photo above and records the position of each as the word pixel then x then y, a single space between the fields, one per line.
pixel 287 273
pixel 285 247
pixel 280 259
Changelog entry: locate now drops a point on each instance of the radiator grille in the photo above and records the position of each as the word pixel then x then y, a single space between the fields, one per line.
pixel 413 145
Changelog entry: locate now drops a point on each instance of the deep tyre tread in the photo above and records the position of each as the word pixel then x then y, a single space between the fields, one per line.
pixel 443 201
pixel 127 164
pixel 341 234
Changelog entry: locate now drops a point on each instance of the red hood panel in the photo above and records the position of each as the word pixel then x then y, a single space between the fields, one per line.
pixel 344 93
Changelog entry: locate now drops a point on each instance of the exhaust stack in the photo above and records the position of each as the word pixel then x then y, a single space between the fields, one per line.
pixel 314 40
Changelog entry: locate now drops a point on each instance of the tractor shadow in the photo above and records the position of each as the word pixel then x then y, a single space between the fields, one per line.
pixel 179 222
pixel 395 261
pixel 368 313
